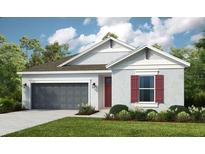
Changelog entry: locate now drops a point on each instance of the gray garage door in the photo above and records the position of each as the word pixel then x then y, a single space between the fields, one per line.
pixel 59 95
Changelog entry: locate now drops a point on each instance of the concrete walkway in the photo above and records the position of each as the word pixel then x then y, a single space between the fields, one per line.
pixel 100 114
pixel 15 121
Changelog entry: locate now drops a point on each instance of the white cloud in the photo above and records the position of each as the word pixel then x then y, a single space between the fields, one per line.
pixel 83 40
pixel 146 26
pixel 196 37
pixel 123 31
pixel 179 25
pixel 161 31
pixel 84 47
pixel 86 21
pixel 63 35
pixel 112 21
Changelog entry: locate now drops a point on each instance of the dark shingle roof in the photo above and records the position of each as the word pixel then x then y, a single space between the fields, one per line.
pixel 53 66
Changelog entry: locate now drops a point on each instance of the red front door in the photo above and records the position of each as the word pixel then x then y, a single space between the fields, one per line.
pixel 108 91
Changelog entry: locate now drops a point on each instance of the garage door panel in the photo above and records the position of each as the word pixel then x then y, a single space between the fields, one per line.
pixel 59 95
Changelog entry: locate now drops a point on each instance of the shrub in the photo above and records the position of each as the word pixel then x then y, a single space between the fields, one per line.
pixel 178 108
pixel 183 117
pixel 132 114
pixel 167 116
pixel 150 110
pixel 203 116
pixel 86 109
pixel 162 116
pixel 123 115
pixel 152 116
pixel 170 115
pixel 109 116
pixel 6 105
pixel 117 108
pixel 140 114
pixel 18 106
pixel 196 113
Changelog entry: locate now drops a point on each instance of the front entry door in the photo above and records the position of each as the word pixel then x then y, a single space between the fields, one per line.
pixel 108 91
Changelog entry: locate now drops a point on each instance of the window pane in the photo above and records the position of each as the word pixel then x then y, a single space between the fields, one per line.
pixel 146 81
pixel 146 95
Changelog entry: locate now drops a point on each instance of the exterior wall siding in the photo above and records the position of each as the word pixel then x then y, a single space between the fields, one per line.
pixel 173 87
pixel 99 58
pixel 102 54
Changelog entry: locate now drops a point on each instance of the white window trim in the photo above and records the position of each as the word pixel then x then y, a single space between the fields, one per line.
pixel 149 105
pixel 150 72
pixel 151 102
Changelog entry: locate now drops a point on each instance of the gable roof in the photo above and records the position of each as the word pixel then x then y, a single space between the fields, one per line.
pixel 186 64
pixel 52 66
pixel 95 46
pixel 49 65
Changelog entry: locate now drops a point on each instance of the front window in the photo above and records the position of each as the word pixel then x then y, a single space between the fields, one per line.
pixel 146 89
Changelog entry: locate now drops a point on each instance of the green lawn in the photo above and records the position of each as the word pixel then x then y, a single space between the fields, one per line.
pixel 100 127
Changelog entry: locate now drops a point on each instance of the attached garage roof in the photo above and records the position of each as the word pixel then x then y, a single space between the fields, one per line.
pixel 53 66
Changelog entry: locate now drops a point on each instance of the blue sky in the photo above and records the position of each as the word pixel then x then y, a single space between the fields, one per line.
pixel 81 33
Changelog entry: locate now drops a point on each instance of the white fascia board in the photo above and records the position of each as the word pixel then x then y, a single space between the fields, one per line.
pixel 121 59
pixel 65 72
pixel 84 52
pixel 186 64
pixel 95 46
pixel 170 56
pixel 123 43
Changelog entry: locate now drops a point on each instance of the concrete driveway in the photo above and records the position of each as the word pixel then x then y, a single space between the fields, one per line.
pixel 15 121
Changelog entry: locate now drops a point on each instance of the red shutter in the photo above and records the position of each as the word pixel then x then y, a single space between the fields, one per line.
pixel 160 88
pixel 134 89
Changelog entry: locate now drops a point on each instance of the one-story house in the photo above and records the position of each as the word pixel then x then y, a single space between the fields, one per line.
pixel 108 73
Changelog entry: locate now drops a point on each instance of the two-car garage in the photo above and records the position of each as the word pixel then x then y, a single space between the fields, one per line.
pixel 58 95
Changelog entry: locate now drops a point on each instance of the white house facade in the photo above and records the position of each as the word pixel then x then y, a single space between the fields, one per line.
pixel 109 73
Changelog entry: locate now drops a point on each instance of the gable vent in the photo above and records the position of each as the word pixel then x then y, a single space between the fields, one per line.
pixel 147 53
pixel 111 43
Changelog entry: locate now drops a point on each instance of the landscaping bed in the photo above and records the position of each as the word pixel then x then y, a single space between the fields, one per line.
pixel 86 109
pixel 87 113
pixel 96 127
pixel 175 113
pixel 122 121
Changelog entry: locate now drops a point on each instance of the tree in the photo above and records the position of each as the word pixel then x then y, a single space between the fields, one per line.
pixel 109 34
pixel 183 53
pixel 55 51
pixel 158 46
pixel 201 42
pixel 33 50
pixel 36 58
pixel 12 60
pixel 2 39
pixel 195 74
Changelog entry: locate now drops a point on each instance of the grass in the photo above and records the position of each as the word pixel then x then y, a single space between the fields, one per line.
pixel 93 127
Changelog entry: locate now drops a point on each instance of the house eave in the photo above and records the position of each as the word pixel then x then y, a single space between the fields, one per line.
pixel 65 72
